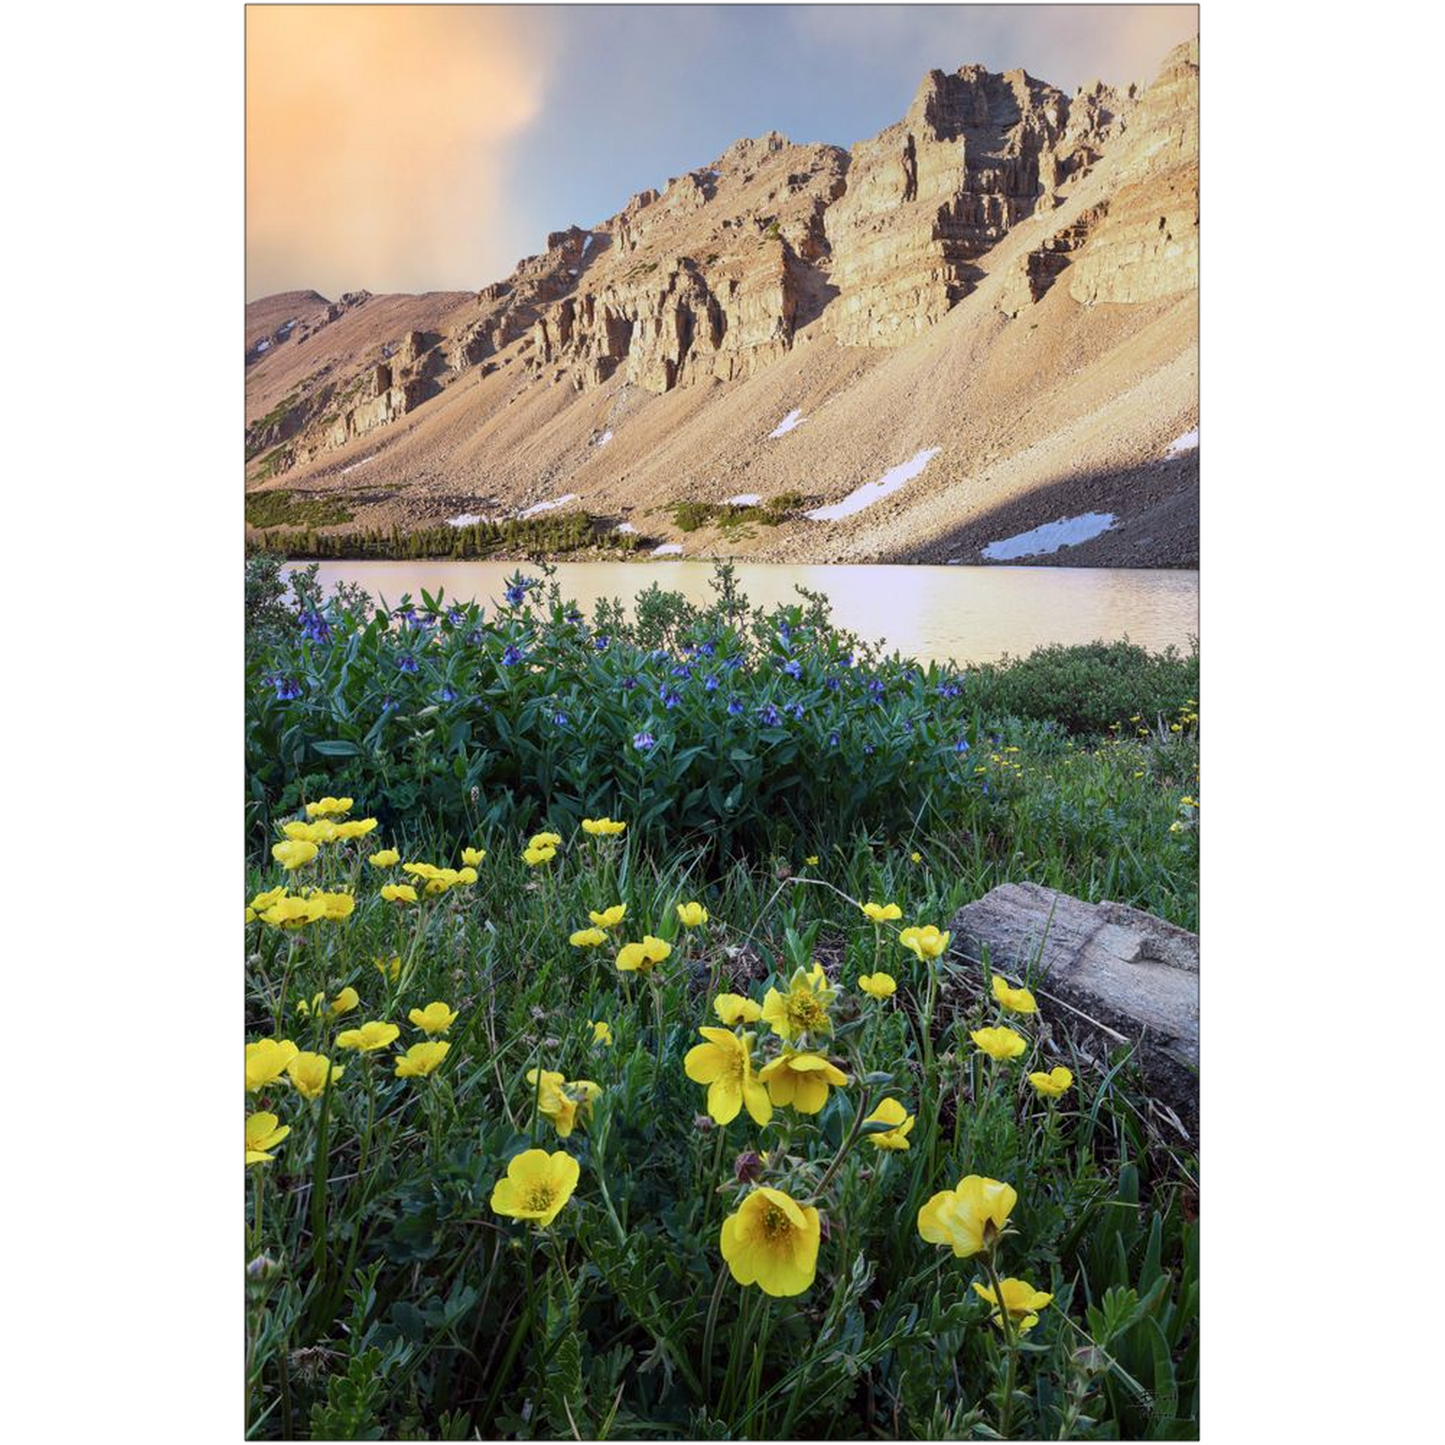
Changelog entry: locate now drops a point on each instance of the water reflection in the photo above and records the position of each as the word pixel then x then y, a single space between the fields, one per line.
pixel 966 614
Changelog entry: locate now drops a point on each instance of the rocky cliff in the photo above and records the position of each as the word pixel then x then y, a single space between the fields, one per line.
pixel 784 270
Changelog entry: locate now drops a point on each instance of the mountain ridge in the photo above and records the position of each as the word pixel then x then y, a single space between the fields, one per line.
pixel 1005 278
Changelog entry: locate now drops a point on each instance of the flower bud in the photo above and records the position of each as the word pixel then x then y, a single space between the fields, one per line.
pixel 702 1123
pixel 747 1167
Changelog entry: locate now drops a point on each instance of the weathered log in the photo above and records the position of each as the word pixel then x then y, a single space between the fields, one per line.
pixel 1122 973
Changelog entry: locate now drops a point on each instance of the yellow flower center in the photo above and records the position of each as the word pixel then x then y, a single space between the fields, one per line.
pixel 539 1197
pixel 805 1012
pixel 776 1224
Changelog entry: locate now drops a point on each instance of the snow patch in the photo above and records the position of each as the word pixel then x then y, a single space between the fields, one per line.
pixel 744 499
pixel 871 492
pixel 262 346
pixel 467 519
pixel 532 511
pixel 603 439
pixel 361 463
pixel 793 418
pixel 571 270
pixel 626 527
pixel 587 244
pixel 1189 442
pixel 1066 532
pixel 668 549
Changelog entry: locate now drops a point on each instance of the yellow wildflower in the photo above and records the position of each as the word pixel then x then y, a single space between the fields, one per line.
pixel 1015 1000
pixel 725 1064
pixel 292 912
pixel 890 1111
pixel 918 857
pixel 801 1080
pixel 398 893
pixel 691 915
pixel 293 853
pixel 642 957
pixel 472 856
pixel 535 856
pixel 263 1135
pixel 603 827
pixel 545 840
pixel 419 1061
pixel 803 1010
pixel 1056 1082
pixel 970 1218
pixel 926 942
pixel 564 1103
pixel 389 968
pixel 1020 1299
pixel 266 1061
pixel 878 985
pixel 772 1242
pixel 327 807
pixel 435 1018
pixel 356 828
pixel 308 1073
pixel 601 1032
pixel 536 1186
pixel 387 858
pixel 1000 1043
pixel 344 1002
pixel 323 831
pixel 882 912
pixel 811 861
pixel 609 917
pixel 734 1009
pixel 587 938
pixel 336 906
pixel 369 1037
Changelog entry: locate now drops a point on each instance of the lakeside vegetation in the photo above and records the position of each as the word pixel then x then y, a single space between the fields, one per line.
pixel 500 1185
pixel 551 536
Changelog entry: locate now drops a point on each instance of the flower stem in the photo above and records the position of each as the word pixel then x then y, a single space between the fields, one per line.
pixel 1005 1410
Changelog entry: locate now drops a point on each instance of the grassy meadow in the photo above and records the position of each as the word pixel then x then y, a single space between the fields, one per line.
pixel 609 1074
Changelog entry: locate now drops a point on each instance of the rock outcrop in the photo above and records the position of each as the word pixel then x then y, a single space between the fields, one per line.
pixel 926 198
pixel 1148 246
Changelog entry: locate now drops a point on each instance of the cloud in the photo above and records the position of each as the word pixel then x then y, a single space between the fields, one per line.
pixel 377 142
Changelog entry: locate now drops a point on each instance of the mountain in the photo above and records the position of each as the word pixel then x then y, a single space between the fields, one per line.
pixel 980 322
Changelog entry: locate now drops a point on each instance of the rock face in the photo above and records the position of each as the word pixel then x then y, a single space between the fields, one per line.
pixel 1148 246
pixel 976 153
pixel 1132 975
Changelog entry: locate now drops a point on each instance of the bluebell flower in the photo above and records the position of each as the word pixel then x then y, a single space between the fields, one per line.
pixel 734 707
pixel 785 631
pixel 512 655
pixel 573 615
pixel 628 683
pixel 710 685
pixel 961 746
pixel 669 696
pixel 455 617
pixel 449 693
pixel 387 703
pixel 559 719
pixel 832 740
pixel 869 749
pixel 288 689
pixel 682 670
pixel 848 660
pixel 793 668
pixel 708 649
pixel 475 636
pixel 600 643
pixel 315 626
pixel 644 741
pixel 907 725
pixel 406 663
pixel 407 614
pixel 949 689
pixel 733 663
pixel 876 689
pixel 770 715
pixel 796 710
pixel 832 684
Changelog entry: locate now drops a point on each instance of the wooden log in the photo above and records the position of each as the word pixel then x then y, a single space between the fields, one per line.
pixel 1120 972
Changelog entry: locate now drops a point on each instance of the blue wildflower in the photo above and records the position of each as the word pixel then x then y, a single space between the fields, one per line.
pixel 287 688
pixel 708 649
pixel 644 741
pixel 832 684
pixel 711 684
pixel 734 707
pixel 449 693
pixel 832 740
pixel 961 746
pixel 406 663
pixel 315 626
pixel 455 617
pixel 770 715
pixel 512 655
pixel 628 683
pixel 682 670
pixel 797 710
pixel 559 719
pixel 475 636
pixel 793 668
pixel 669 696
pixel 600 643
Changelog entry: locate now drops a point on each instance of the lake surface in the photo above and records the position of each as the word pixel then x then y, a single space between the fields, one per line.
pixel 960 614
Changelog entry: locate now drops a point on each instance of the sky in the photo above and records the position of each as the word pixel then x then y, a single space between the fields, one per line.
pixel 430 147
